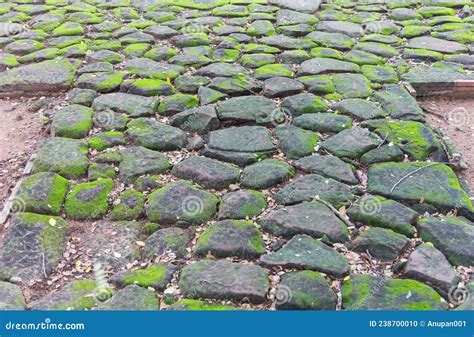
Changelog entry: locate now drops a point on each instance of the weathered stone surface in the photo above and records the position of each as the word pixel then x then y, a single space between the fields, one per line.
pixel 351 143
pixel 206 172
pixel 305 290
pixel 155 135
pixel 328 166
pixel 41 193
pixel 296 142
pixel 364 292
pixel 428 265
pixel 359 108
pixel 311 218
pixel 197 305
pixel 311 187
pixel 130 206
pixel 133 105
pixel 381 243
pixel 137 161
pixel 76 295
pixel 452 236
pixel 266 174
pixel 147 68
pixel 43 77
pixel 398 103
pixel 168 240
pixel 222 70
pixel 32 246
pixel 67 157
pixel 439 45
pixel 323 122
pixel 281 87
pixel 253 139
pixel 11 296
pixel 303 252
pixel 242 204
pixel 224 280
pixel 156 276
pixel 247 109
pixel 325 65
pixel 180 202
pixel 305 103
pixel 447 194
pixel 300 6
pixel 89 200
pixel 380 212
pixel 132 297
pixel 231 238
pixel 72 121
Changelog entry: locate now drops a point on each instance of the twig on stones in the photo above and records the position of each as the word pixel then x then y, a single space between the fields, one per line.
pixel 335 211
pixel 409 174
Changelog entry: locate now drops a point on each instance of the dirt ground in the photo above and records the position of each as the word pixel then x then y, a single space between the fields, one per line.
pixel 455 117
pixel 21 129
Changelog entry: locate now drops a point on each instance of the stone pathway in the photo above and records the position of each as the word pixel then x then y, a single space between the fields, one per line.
pixel 226 154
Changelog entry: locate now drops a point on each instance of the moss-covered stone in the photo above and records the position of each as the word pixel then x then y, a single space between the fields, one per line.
pixel 231 238
pixel 273 70
pixel 68 157
pixel 155 135
pixel 305 290
pixel 42 193
pixel 447 194
pixel 72 121
pixel 156 276
pixel 380 74
pixel 177 103
pixel 32 246
pixel 89 200
pixel 296 142
pixel 76 295
pixel 11 297
pixel 267 173
pixel 101 171
pixel 242 204
pixel 364 292
pixel 103 140
pixel 130 207
pixel 100 82
pixel 197 305
pixel 181 202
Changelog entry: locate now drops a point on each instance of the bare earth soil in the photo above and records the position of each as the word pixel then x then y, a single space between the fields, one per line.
pixel 455 117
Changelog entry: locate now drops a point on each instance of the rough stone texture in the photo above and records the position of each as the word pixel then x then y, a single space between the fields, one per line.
pixel 304 290
pixel 171 239
pixel 46 77
pixel 387 179
pixel 231 238
pixel 311 218
pixel 76 295
pixel 224 280
pixel 156 276
pixel 381 243
pixel 303 252
pixel 428 265
pixel 364 292
pixel 206 172
pixel 313 186
pixel 132 297
pixel 180 202
pixel 452 236
pixel 242 204
pixel 32 246
pixel 11 297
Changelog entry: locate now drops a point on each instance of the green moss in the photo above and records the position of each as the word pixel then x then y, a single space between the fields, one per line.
pixel 186 101
pixel 89 200
pixel 326 52
pixel 260 48
pixel 356 291
pixel 422 54
pixel 398 290
pixel 146 277
pixel 413 137
pixel 130 208
pixel 151 227
pixel 161 53
pixel 227 55
pixel 55 186
pixel 104 140
pixel 113 45
pixel 413 31
pixel 197 305
pixel 68 29
pixel 380 74
pixel 271 70
pixel 101 171
pixel 136 49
